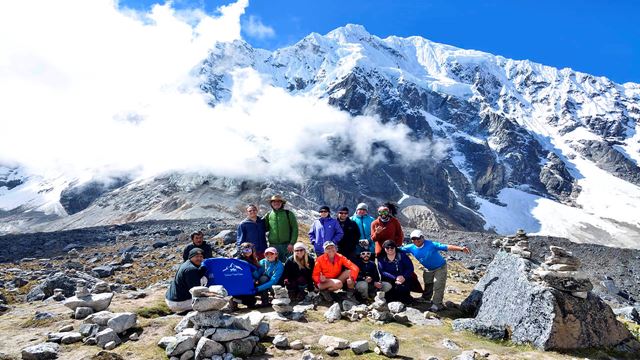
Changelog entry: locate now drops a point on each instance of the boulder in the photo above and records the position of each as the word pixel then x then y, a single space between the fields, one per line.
pixel 82 312
pixel 206 348
pixel 224 335
pixel 106 336
pixel 122 322
pixel 241 347
pixel 42 351
pixel 103 271
pixel 387 343
pixel 97 302
pixel 280 341
pixel 227 236
pixel 508 296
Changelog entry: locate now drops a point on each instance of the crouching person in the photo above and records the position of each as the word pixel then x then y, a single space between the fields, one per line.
pixel 397 269
pixel 298 271
pixel 368 280
pixel 333 272
pixel 247 252
pixel 190 274
pixel 272 273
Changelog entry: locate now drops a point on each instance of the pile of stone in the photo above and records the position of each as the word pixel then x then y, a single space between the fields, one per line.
pixel 208 333
pixel 86 302
pixel 510 303
pixel 560 271
pixel 281 303
pixel 507 243
pixel 380 311
pixel 64 282
pixel 521 248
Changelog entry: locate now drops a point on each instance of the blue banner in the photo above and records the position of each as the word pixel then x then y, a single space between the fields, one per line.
pixel 233 274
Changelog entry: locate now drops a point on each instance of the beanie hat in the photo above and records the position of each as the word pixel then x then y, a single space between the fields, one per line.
pixel 299 245
pixel 344 209
pixel 195 251
pixel 362 206
pixel 324 208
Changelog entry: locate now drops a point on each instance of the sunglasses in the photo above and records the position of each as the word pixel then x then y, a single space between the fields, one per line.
pixel 299 250
pixel 247 250
pixel 390 247
pixel 383 212
pixel 322 211
pixel 415 238
pixel 343 213
pixel 364 253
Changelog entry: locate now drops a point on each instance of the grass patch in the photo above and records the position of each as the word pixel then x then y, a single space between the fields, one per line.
pixel 154 311
pixel 33 323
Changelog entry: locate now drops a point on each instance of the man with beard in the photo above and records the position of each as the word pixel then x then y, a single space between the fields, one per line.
pixel 197 241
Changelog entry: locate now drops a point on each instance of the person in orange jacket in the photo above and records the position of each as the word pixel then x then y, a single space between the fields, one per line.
pixel 328 273
pixel 386 227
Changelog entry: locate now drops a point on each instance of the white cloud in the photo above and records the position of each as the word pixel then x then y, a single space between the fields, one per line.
pixel 89 89
pixel 256 29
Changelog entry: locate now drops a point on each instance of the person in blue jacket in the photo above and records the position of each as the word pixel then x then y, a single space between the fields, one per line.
pixel 325 229
pixel 397 269
pixel 434 273
pixel 247 252
pixel 364 220
pixel 253 230
pixel 272 274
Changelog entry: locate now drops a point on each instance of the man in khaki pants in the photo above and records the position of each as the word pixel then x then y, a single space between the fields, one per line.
pixel 435 266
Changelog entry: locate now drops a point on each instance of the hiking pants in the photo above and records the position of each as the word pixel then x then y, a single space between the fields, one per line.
pixel 434 284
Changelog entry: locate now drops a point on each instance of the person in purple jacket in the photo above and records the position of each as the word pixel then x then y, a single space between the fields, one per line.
pixel 325 229
pixel 397 269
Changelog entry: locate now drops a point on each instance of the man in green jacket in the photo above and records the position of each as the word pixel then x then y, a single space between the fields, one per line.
pixel 282 227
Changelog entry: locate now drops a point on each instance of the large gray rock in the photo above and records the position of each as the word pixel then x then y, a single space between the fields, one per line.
pixel 106 336
pixel 241 347
pixel 208 303
pixel 508 297
pixel 100 318
pixel 42 351
pixel 103 271
pixel 211 319
pixel 333 341
pixel 82 312
pixel 97 302
pixel 88 330
pixel 224 335
pixel 61 281
pixel 71 337
pixel 387 343
pixel 122 322
pixel 206 348
pixel 180 345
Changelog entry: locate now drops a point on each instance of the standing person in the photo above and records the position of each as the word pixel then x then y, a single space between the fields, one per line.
pixel 253 230
pixel 368 280
pixel 333 271
pixel 397 269
pixel 197 241
pixel 282 227
pixel 363 220
pixel 298 272
pixel 347 246
pixel 324 229
pixel 189 274
pixel 434 273
pixel 386 227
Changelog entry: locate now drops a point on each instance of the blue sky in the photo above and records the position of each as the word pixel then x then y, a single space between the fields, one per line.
pixel 596 37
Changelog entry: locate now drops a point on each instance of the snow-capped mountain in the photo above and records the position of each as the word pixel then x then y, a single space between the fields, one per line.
pixel 529 146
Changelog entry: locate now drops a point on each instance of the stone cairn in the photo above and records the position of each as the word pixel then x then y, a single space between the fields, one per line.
pixel 517 244
pixel 560 271
pixel 207 333
pixel 281 303
pixel 86 302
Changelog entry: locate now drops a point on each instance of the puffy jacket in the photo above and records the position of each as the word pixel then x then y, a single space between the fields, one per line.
pixel 273 270
pixel 392 231
pixel 282 227
pixel 323 230
pixel 253 232
pixel 364 226
pixel 401 265
pixel 292 271
pixel 350 238
pixel 333 270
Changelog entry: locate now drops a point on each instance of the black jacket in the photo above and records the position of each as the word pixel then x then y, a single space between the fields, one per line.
pixel 187 276
pixel 347 245
pixel 206 248
pixel 367 269
pixel 292 271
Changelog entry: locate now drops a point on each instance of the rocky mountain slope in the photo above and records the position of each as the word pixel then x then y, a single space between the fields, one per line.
pixel 525 145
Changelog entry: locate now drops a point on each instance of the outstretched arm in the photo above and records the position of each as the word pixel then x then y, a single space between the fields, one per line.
pixel 464 249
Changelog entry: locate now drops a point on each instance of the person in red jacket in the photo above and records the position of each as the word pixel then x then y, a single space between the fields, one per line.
pixel 385 227
pixel 333 271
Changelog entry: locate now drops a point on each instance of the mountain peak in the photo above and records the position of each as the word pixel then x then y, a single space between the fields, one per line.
pixel 349 32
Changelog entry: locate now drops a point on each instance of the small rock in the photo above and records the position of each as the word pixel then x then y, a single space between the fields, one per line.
pixel 188 355
pixel 82 312
pixel 449 344
pixel 110 345
pixel 331 351
pixel 71 338
pixel 395 307
pixel 89 330
pixel 308 355
pixel 333 313
pixel 165 341
pixel 66 328
pixel 134 337
pixel 387 343
pixel 207 348
pixel 224 335
pixel 105 336
pixel 297 345
pixel 262 330
pixel 180 345
pixel 103 271
pixel 359 347
pixel 280 341
pixel 333 341
pixel 122 322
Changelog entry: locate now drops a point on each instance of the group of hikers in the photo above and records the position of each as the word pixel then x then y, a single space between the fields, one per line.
pixel 358 255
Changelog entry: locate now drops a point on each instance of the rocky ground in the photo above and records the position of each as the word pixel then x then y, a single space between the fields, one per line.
pixel 138 259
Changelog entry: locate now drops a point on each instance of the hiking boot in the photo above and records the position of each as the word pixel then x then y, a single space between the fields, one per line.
pixel 264 299
pixel 350 295
pixel 326 295
pixel 436 307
